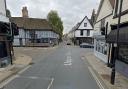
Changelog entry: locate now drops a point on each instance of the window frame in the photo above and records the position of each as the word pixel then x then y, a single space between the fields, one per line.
pixel 81 32
pixel 85 24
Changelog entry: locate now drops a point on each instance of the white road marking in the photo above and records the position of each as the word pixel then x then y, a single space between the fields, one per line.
pixel 49 86
pixel 95 77
pixel 4 83
pixel 68 64
pixel 68 60
pixel 23 70
pixel 8 81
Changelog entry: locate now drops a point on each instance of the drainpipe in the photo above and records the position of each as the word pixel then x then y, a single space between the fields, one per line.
pixel 116 53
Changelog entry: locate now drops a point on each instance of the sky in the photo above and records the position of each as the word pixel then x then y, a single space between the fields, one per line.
pixel 70 11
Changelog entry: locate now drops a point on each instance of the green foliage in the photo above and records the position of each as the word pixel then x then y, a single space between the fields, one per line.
pixel 55 21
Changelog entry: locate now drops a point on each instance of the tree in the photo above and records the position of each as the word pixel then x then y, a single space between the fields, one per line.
pixel 55 21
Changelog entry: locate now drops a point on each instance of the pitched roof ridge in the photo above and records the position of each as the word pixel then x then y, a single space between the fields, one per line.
pixel 83 20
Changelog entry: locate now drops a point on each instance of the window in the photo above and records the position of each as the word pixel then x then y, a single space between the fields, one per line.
pixel 85 24
pixel 101 47
pixel 102 23
pixel 123 53
pixel 88 32
pixel 81 32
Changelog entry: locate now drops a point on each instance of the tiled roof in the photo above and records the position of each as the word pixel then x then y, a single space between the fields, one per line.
pixel 31 23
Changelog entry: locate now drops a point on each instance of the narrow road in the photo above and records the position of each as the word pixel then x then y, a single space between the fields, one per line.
pixel 63 69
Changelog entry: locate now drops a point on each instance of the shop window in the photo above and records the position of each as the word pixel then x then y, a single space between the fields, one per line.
pixel 101 47
pixel 123 53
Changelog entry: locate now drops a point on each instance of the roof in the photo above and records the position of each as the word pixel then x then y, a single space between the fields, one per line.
pixel 79 24
pixel 112 2
pixel 31 23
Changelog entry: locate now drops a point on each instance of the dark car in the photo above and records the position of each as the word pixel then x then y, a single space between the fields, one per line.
pixel 68 43
pixel 86 45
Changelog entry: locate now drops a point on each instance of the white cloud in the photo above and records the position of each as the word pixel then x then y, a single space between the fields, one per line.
pixel 71 11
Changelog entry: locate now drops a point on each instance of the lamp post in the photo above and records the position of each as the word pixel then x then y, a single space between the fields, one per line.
pixel 116 45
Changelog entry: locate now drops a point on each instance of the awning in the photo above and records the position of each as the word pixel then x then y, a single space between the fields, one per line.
pixel 123 36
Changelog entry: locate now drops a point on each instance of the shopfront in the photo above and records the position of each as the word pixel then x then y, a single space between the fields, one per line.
pixel 100 48
pixel 121 63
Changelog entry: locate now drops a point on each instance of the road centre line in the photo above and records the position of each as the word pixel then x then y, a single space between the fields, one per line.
pixel 96 79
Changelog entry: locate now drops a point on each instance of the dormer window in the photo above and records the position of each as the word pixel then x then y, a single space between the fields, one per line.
pixel 85 24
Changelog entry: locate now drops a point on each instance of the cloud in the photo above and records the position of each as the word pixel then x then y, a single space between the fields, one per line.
pixel 71 11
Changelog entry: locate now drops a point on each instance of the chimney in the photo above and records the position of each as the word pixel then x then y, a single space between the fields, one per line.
pixel 25 12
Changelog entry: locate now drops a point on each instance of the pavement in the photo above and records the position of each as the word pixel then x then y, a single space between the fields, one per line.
pixel 104 73
pixel 34 52
pixel 62 69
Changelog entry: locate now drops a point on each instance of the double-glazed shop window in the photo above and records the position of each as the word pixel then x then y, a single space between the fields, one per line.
pixel 123 53
pixel 101 47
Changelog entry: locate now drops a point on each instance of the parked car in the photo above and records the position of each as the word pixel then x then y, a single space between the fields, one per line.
pixel 86 45
pixel 68 43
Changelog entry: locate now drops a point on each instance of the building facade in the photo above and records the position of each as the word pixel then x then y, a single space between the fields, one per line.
pixel 120 61
pixel 84 32
pixel 5 56
pixel 103 21
pixel 34 31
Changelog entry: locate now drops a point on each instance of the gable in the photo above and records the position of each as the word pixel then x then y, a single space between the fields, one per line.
pixel 85 24
pixel 105 9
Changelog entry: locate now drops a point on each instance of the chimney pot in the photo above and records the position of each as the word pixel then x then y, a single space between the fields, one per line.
pixel 25 12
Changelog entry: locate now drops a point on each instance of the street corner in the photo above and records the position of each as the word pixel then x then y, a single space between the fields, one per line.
pixel 22 59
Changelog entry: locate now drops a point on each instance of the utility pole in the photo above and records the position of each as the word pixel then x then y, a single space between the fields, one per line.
pixel 116 53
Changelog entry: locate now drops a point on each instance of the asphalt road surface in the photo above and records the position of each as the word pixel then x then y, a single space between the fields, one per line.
pixel 63 69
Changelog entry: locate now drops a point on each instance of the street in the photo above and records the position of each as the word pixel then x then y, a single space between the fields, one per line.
pixel 62 69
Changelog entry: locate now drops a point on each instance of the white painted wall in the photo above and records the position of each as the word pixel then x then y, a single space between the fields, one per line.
pixel 40 34
pixel 2 8
pixel 46 34
pixel 124 18
pixel 3 17
pixel 77 33
pixel 88 24
pixel 97 26
pixel 106 9
pixel 125 5
pixel 16 42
